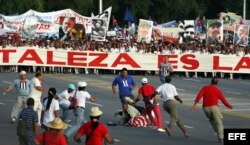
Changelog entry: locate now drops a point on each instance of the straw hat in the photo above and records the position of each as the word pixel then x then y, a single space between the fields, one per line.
pixel 95 112
pixel 57 123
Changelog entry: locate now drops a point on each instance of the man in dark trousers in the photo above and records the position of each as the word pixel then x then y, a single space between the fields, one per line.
pixel 29 115
pixel 211 94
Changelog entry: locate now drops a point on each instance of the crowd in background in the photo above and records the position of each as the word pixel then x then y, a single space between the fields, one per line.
pixel 112 45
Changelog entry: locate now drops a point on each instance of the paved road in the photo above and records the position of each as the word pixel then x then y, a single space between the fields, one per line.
pixel 237 91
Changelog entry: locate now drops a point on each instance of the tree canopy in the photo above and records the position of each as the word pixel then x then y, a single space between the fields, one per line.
pixel 159 10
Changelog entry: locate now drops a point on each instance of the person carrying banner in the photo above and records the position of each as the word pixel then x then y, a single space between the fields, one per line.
pixel 169 94
pixel 36 90
pixel 165 69
pixel 211 94
pixel 146 91
pixel 22 86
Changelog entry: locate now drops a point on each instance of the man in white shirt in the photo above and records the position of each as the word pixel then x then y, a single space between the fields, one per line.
pixel 169 94
pixel 36 90
pixel 64 101
pixel 81 96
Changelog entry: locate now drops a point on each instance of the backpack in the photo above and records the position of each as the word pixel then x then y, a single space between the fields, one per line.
pixel 21 127
pixel 73 102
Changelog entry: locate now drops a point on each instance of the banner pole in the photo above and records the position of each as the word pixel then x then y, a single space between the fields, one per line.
pixel 100 6
pixel 244 9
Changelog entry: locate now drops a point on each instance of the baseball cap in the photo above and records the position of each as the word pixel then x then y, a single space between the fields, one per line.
pixel 23 72
pixel 144 80
pixel 71 86
pixel 214 22
pixel 82 84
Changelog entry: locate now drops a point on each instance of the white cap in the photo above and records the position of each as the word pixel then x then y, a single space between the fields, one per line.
pixel 82 84
pixel 23 72
pixel 144 80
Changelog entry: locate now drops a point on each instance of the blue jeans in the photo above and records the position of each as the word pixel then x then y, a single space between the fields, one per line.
pixel 65 111
pixel 80 119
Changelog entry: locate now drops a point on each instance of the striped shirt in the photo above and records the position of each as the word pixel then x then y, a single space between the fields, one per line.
pixel 30 116
pixel 22 87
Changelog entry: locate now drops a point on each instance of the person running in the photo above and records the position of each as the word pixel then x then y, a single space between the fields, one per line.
pixel 146 91
pixel 30 117
pixel 165 69
pixel 54 135
pixel 211 94
pixel 64 101
pixel 22 86
pixel 36 90
pixel 51 109
pixel 94 130
pixel 169 94
pixel 81 96
pixel 126 84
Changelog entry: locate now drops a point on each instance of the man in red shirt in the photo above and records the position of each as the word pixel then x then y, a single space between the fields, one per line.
pixel 211 94
pixel 146 91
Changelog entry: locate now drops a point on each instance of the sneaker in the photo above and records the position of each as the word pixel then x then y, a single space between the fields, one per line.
pixel 13 120
pixel 168 130
pixel 161 130
pixel 220 141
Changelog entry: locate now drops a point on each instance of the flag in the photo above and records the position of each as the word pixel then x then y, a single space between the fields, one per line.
pixel 128 16
pixel 106 16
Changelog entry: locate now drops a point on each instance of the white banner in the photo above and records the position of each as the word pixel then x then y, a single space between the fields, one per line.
pixel 133 61
pixel 45 23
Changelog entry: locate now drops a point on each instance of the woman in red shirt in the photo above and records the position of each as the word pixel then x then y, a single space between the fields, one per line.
pixel 54 136
pixel 94 131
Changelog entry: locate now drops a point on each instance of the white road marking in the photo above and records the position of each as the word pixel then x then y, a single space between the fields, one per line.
pixel 192 80
pixel 190 127
pixel 245 83
pixel 188 99
pixel 237 110
pixel 7 82
pixel 237 93
pixel 100 105
pixel 117 140
pixel 1 103
pixel 180 89
pixel 240 104
pixel 107 77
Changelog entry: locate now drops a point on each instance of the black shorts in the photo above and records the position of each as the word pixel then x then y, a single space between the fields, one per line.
pixel 122 98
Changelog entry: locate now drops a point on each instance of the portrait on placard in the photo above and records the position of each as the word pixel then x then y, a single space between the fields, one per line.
pixel 241 33
pixel 214 31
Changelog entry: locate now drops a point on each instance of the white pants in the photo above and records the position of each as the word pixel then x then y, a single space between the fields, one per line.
pixel 38 109
pixel 18 106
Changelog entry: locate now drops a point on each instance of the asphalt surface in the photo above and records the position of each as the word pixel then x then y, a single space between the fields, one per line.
pixel 201 133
